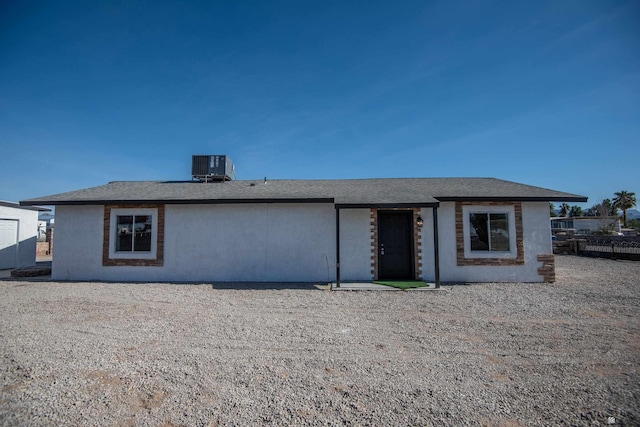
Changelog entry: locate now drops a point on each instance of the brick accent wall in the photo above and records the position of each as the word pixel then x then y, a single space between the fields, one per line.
pixel 46 247
pixel 374 244
pixel 548 269
pixel 462 261
pixel 417 243
pixel 43 248
pixel 109 262
pixel 417 246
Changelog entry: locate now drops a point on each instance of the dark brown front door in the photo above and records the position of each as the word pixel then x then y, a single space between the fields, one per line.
pixel 395 243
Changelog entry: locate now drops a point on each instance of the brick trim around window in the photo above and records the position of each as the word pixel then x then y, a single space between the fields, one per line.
pixel 462 261
pixel 112 262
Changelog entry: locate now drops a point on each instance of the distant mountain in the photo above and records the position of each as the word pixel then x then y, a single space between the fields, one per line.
pixel 633 214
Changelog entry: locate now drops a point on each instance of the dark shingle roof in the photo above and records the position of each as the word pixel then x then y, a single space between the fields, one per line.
pixel 343 192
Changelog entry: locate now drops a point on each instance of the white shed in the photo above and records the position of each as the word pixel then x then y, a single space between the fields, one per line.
pixel 18 235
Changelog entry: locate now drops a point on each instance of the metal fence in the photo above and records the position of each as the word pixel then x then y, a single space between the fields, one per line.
pixel 610 248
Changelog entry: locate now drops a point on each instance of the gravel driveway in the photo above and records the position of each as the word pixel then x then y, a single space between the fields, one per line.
pixel 200 355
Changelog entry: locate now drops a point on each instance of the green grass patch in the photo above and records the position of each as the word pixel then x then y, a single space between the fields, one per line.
pixel 403 284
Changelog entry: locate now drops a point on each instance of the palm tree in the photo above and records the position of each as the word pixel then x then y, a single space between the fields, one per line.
pixel 575 211
pixel 608 208
pixel 604 208
pixel 564 209
pixel 592 211
pixel 624 200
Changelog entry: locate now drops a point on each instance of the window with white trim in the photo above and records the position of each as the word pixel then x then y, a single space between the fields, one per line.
pixel 133 233
pixel 489 233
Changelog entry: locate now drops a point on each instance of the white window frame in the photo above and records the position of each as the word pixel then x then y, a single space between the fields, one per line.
pixel 466 229
pixel 113 227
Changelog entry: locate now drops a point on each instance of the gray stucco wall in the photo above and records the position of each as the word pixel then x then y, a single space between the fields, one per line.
pixel 536 236
pixel 261 242
pixel 27 235
pixel 277 242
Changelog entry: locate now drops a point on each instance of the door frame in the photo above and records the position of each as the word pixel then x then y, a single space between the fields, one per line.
pixel 410 253
pixel 416 241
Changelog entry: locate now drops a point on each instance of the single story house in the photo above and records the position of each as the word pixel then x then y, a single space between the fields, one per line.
pixel 18 235
pixel 587 224
pixel 433 229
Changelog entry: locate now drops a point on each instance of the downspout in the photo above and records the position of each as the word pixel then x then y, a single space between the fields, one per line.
pixel 337 247
pixel 436 249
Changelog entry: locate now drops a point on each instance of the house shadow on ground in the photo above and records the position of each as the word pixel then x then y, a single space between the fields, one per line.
pixel 268 286
pixel 236 286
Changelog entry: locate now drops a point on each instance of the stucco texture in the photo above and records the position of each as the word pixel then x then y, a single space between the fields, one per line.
pixel 261 242
pixel 536 236
pixel 274 242
pixel 24 253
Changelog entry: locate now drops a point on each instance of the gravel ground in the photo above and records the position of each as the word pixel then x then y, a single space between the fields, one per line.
pixel 204 355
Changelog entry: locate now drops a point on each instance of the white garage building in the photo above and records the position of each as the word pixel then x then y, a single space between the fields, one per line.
pixel 18 235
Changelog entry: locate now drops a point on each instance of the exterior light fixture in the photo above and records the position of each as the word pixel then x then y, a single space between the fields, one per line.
pixel 419 222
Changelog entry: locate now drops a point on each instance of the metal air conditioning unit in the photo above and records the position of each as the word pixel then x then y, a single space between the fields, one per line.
pixel 212 168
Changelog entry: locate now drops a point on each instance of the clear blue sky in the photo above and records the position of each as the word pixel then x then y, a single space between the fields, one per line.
pixel 545 93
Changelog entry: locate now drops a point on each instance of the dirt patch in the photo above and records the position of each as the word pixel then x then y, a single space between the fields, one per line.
pixel 494 354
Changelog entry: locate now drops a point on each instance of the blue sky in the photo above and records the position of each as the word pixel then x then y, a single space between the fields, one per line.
pixel 541 92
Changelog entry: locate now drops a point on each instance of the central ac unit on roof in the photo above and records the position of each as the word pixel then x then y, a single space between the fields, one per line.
pixel 210 168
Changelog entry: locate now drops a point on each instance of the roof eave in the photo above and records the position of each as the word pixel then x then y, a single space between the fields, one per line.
pixel 576 199
pixel 173 201
pixel 386 205
pixel 32 207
